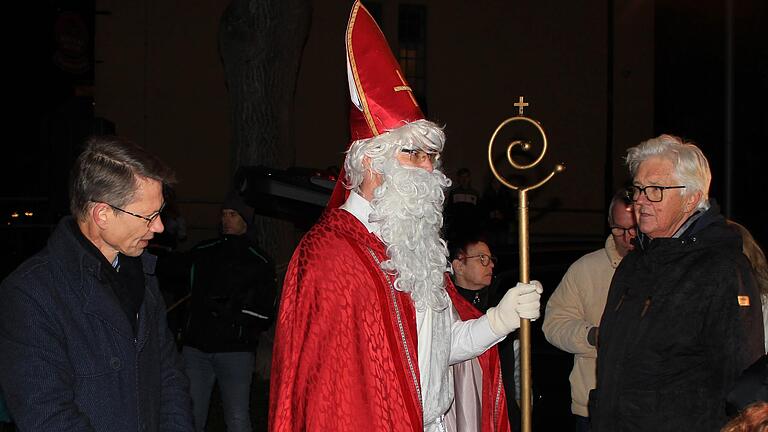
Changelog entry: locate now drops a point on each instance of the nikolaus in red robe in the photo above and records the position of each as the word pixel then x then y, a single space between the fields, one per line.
pixel 345 353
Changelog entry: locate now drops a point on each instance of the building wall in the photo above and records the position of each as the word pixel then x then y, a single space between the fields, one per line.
pixel 160 80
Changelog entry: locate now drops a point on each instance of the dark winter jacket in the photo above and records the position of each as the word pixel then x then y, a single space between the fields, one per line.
pixel 233 295
pixel 71 360
pixel 681 322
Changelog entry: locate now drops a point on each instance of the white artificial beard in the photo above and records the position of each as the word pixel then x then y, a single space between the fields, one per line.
pixel 408 209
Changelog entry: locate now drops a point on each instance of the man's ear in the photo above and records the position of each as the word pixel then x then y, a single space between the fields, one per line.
pixel 368 168
pixel 371 180
pixel 691 201
pixel 458 266
pixel 98 214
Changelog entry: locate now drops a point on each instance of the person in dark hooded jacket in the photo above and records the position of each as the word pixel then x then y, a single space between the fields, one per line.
pixel 683 315
pixel 233 291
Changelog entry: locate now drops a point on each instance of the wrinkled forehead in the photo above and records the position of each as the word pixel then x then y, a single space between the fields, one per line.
pixel 478 248
pixel 623 216
pixel 655 170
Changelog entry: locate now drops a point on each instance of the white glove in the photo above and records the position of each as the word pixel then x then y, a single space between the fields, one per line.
pixel 522 301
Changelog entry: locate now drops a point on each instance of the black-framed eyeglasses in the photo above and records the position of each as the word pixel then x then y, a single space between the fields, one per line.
pixel 484 259
pixel 151 218
pixel 417 156
pixel 620 231
pixel 653 193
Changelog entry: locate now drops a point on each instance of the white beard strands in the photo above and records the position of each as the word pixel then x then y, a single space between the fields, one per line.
pixel 408 207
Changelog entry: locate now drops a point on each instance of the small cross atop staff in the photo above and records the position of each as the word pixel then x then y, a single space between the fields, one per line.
pixel 521 104
pixel 523 243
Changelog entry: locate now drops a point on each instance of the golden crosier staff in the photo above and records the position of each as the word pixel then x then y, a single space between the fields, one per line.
pixel 522 218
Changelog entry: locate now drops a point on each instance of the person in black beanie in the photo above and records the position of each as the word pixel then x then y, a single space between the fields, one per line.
pixel 233 300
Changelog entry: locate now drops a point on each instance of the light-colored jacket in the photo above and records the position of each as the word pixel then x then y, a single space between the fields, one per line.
pixel 764 299
pixel 575 307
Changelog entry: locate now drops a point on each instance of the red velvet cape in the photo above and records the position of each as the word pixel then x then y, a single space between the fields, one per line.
pixel 345 346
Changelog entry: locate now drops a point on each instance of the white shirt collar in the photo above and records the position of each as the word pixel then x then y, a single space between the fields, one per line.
pixel 360 208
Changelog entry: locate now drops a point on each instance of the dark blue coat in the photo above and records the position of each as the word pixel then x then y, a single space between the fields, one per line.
pixel 70 360
pixel 233 295
pixel 681 321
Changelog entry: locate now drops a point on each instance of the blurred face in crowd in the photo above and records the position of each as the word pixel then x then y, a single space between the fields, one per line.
pixel 232 223
pixel 474 269
pixel 623 229
pixel 464 180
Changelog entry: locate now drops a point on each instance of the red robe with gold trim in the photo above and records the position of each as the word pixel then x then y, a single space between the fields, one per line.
pixel 345 346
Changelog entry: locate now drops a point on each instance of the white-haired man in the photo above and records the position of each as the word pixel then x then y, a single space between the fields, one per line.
pixel 367 331
pixel 682 318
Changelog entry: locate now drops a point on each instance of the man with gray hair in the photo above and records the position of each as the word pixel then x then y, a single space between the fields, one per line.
pixel 84 339
pixel 682 318
pixel 369 323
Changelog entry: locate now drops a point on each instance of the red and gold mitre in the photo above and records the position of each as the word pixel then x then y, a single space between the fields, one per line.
pixel 381 98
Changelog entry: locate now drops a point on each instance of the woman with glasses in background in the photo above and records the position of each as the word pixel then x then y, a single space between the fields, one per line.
pixel 473 263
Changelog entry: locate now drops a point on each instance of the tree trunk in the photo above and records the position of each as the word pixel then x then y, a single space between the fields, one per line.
pixel 261 43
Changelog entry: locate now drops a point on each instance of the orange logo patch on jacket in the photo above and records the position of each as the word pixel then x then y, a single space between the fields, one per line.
pixel 743 301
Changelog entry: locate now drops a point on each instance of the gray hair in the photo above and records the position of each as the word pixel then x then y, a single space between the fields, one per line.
pixel 420 134
pixel 691 168
pixel 107 171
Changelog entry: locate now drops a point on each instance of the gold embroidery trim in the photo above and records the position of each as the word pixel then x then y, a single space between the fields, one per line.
pixel 353 66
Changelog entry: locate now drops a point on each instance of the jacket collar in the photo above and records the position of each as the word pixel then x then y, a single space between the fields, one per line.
pixel 706 229
pixel 80 259
pixel 612 252
pixel 696 223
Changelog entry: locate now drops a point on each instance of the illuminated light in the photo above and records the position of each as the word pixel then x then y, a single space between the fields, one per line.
pixel 14 215
pixel 28 214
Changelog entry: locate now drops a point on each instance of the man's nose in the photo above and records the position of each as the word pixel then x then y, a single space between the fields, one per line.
pixel 427 165
pixel 157 225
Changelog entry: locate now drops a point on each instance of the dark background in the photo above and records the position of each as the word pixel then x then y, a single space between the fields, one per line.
pixel 711 81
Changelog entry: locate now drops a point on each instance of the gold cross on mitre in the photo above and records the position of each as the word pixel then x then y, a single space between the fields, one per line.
pixel 405 87
pixel 520 104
